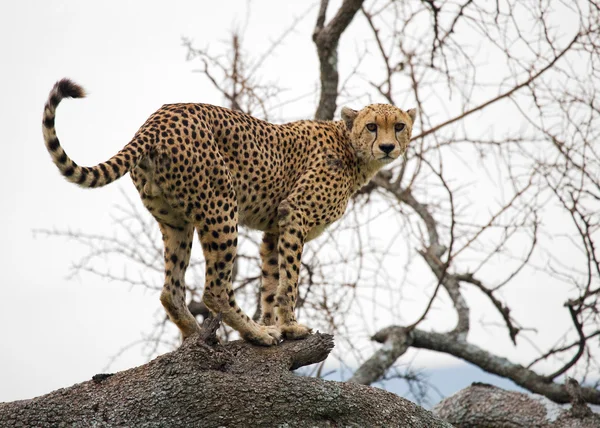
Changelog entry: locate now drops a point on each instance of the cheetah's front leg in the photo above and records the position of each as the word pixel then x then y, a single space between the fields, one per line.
pixel 269 277
pixel 292 233
pixel 219 242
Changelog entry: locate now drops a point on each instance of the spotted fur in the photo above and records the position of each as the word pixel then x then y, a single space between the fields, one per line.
pixel 208 169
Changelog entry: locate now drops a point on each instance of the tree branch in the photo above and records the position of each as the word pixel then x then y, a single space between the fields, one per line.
pixel 491 363
pixel 326 38
pixel 482 405
pixel 503 95
pixel 232 385
pixel 581 343
pixel 375 367
pixel 432 252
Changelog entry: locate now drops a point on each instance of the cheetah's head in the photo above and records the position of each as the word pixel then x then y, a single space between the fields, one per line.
pixel 379 132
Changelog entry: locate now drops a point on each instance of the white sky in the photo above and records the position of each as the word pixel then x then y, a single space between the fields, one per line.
pixel 128 55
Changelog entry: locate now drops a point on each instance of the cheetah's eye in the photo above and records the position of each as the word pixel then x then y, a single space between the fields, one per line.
pixel 399 127
pixel 371 127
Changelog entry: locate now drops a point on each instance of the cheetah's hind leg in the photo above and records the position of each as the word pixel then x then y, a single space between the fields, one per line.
pixel 178 246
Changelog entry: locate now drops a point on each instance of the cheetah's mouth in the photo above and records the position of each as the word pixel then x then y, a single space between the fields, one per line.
pixel 386 159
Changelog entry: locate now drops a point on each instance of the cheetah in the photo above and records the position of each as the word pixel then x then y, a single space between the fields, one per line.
pixel 199 167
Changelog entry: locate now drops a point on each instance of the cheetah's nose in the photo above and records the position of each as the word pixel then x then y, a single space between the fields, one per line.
pixel 386 148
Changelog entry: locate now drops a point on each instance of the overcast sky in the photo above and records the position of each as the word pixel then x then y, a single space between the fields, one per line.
pixel 56 331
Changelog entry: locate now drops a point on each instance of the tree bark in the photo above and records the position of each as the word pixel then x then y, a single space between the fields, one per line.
pixel 481 405
pixel 229 385
pixel 398 339
pixel 326 38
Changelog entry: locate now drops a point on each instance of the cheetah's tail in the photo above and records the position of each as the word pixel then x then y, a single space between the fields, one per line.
pixel 96 176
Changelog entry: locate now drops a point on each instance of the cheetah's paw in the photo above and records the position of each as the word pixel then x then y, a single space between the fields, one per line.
pixel 263 335
pixel 294 331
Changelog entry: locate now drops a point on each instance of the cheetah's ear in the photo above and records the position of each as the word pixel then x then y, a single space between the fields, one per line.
pixel 348 115
pixel 412 113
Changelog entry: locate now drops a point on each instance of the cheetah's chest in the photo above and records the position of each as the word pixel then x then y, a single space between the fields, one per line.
pixel 334 216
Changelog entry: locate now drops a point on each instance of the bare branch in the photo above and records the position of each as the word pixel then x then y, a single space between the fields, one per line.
pixel 326 38
pixel 503 95
pixel 491 363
